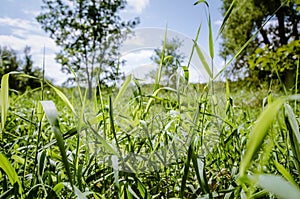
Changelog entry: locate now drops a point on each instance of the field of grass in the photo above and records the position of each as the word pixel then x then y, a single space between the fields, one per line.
pixel 215 140
pixel 221 140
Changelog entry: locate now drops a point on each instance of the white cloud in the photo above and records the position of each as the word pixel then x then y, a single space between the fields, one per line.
pixel 28 33
pixel 31 12
pixel 137 58
pixel 138 5
pixel 18 23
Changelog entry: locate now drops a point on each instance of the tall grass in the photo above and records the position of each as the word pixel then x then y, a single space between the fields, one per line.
pixel 150 141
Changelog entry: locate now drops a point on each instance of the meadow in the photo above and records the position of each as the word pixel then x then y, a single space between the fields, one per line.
pixel 221 139
pixel 213 140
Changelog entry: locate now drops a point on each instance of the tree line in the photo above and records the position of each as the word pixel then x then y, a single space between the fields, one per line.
pixel 91 32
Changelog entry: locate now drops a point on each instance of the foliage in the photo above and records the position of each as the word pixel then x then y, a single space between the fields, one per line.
pixel 275 23
pixel 90 33
pixel 276 61
pixel 9 62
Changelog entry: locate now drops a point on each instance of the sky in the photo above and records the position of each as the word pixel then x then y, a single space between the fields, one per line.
pixel 19 28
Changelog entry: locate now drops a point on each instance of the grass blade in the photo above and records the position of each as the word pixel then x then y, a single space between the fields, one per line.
pixel 4 99
pixel 201 1
pixel 186 168
pixel 62 97
pixel 227 14
pixel 158 74
pixel 294 134
pixel 122 90
pixel 51 113
pixel 210 38
pixel 278 186
pixel 199 166
pixel 186 73
pixel 203 60
pixel 6 166
pixel 285 173
pixel 259 132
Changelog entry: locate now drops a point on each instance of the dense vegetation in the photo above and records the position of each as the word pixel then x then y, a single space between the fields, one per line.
pixel 215 140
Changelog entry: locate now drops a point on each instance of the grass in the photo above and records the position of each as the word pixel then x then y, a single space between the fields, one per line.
pixel 139 143
pixel 214 140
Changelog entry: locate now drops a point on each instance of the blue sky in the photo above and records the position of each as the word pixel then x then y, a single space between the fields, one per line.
pixel 19 28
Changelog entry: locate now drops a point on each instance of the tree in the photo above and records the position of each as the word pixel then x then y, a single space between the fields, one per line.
pixel 9 62
pixel 90 33
pixel 173 57
pixel 247 17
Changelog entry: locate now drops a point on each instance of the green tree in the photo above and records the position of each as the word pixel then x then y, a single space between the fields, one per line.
pixel 90 33
pixel 247 17
pixel 173 58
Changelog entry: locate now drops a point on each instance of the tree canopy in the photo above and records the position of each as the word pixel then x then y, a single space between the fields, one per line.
pixel 275 21
pixel 90 33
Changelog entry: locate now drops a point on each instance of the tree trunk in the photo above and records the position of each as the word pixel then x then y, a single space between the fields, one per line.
pixel 263 33
pixel 281 27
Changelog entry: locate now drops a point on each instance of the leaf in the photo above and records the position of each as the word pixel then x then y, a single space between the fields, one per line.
pixel 186 169
pixel 122 90
pixel 51 113
pixel 294 134
pixel 210 38
pixel 158 74
pixel 199 166
pixel 259 132
pixel 227 14
pixel 285 173
pixel 203 60
pixel 6 166
pixel 201 1
pixel 278 186
pixel 4 99
pixel 115 165
pixel 62 97
pixel 186 73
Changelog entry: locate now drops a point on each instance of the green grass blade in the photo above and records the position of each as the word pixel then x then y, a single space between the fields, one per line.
pixel 199 166
pixel 227 14
pixel 285 173
pixel 186 73
pixel 278 186
pixel 210 38
pixel 51 113
pixel 110 148
pixel 293 123
pixel 62 97
pixel 259 132
pixel 158 74
pixel 201 1
pixel 154 96
pixel 193 49
pixel 294 134
pixel 6 166
pixel 122 90
pixel 203 60
pixel 112 124
pixel 4 99
pixel 186 170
